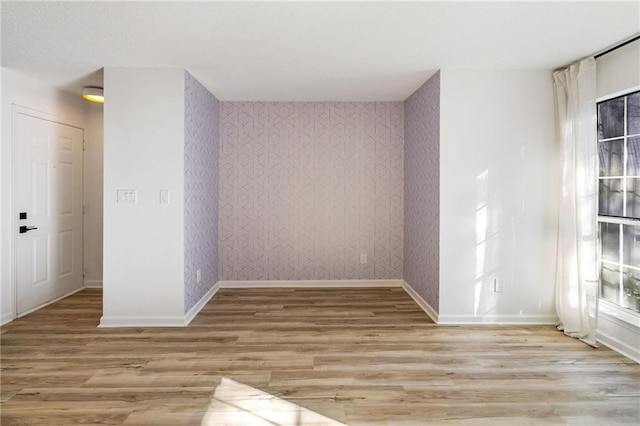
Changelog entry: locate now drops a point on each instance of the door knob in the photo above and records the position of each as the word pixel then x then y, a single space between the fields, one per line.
pixel 24 229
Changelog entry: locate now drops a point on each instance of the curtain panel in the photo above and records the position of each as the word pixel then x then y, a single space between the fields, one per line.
pixel 577 272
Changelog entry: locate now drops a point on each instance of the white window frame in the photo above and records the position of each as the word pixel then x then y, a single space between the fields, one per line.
pixel 624 314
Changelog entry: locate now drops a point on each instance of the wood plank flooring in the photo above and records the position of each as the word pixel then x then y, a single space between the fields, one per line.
pixel 305 357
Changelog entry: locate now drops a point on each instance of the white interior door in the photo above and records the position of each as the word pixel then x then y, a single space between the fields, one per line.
pixel 48 190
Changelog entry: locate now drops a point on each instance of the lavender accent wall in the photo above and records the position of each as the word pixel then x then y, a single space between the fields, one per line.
pixel 422 190
pixel 305 188
pixel 201 157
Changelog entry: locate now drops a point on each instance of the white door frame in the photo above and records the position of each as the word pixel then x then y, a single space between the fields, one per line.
pixel 15 110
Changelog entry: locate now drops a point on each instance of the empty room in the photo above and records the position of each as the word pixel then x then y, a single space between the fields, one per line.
pixel 320 213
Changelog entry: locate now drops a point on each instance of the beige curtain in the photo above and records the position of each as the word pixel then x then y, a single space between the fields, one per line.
pixel 577 273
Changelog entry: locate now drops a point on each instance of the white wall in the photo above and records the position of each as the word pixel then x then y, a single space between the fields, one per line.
pixel 619 71
pixel 498 196
pixel 21 90
pixel 144 242
pixel 93 173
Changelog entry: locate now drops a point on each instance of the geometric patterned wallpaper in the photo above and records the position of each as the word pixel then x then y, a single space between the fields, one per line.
pixel 422 191
pixel 201 155
pixel 305 188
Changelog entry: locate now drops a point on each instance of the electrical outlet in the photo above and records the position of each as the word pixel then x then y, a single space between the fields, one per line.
pixel 498 285
pixel 164 196
pixel 199 275
pixel 363 258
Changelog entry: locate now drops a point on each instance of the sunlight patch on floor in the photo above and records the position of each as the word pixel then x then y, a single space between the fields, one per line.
pixel 234 403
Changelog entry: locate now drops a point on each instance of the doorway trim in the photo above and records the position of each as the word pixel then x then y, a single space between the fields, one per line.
pixel 54 118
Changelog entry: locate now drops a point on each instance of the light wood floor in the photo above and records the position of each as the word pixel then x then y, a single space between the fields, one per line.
pixel 305 357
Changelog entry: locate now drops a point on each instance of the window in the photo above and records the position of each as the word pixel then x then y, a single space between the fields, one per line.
pixel 619 200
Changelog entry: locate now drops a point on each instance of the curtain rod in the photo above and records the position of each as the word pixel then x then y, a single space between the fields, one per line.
pixel 617 46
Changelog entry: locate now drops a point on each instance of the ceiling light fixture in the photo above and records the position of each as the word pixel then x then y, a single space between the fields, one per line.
pixel 93 94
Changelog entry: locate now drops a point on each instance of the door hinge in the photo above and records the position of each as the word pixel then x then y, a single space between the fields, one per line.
pixel 84 145
pixel 84 209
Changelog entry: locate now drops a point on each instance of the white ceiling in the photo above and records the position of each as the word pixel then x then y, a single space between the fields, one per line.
pixel 324 51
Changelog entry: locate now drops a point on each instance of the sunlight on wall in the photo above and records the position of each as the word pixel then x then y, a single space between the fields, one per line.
pixel 482 183
pixel 487 220
pixel 481 239
pixel 234 403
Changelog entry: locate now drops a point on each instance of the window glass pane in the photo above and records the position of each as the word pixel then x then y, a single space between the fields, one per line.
pixel 633 198
pixel 610 241
pixel 610 197
pixel 633 114
pixel 611 155
pixel 631 289
pixel 610 282
pixel 611 119
pixel 633 156
pixel 631 245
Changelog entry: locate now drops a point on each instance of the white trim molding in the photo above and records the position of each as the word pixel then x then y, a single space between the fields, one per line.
pixel 93 284
pixel 108 322
pixel 441 319
pixel 431 313
pixel 6 319
pixel 618 94
pixel 618 330
pixel 497 320
pixel 50 302
pixel 428 309
pixel 311 284
pixel 195 310
pixel 72 292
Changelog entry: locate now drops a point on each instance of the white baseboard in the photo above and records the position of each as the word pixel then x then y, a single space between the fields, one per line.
pixel 619 346
pixel 431 313
pixel 618 330
pixel 107 322
pixel 189 316
pixel 497 320
pixel 50 302
pixel 6 319
pixel 93 284
pixel 310 284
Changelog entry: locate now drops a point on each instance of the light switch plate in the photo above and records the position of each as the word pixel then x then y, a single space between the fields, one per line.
pixel 127 196
pixel 165 196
